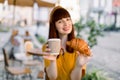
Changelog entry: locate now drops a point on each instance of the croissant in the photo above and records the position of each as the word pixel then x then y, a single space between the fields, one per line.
pixel 79 45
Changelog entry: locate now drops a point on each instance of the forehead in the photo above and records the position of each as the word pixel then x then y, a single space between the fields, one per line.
pixel 59 14
pixel 64 18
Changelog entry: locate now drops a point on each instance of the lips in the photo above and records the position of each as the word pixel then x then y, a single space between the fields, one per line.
pixel 66 29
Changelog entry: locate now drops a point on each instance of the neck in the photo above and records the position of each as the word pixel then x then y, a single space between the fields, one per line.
pixel 63 41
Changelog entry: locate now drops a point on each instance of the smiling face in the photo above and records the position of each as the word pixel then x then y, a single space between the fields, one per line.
pixel 64 26
pixel 61 25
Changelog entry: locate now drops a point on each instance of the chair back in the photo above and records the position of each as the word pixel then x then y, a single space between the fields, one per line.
pixel 28 46
pixel 5 57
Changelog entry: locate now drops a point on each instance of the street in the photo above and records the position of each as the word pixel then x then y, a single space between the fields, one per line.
pixel 106 55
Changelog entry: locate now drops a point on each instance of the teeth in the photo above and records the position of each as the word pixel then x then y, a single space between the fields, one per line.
pixel 66 28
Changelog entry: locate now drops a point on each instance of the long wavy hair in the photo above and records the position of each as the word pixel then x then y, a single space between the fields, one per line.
pixel 57 14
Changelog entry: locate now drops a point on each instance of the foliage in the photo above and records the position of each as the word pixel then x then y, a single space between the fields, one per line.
pixel 4 29
pixel 95 30
pixel 41 39
pixel 79 26
pixel 96 75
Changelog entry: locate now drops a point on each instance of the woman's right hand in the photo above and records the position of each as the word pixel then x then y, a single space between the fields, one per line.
pixel 49 57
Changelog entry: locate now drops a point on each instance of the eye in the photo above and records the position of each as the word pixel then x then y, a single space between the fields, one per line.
pixel 59 21
pixel 68 19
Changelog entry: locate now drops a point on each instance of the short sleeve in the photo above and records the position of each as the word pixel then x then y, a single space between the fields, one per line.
pixel 46 62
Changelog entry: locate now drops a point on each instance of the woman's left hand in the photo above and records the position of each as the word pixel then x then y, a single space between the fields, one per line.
pixel 81 59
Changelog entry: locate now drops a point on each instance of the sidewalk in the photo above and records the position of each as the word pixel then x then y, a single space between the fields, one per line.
pixel 106 55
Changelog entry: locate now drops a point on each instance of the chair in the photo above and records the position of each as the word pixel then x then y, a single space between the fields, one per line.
pixel 41 75
pixel 29 46
pixel 1 66
pixel 30 61
pixel 14 70
pixel 25 58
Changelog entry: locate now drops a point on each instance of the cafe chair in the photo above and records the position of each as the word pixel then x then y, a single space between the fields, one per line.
pixel 14 71
pixel 41 75
pixel 28 46
pixel 30 62
pixel 1 66
pixel 25 58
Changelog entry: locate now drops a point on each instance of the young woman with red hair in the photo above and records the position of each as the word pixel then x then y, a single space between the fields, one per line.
pixel 69 64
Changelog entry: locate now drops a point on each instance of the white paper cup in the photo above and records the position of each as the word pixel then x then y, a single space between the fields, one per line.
pixel 55 45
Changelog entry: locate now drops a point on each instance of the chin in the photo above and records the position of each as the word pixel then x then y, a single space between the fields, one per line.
pixel 66 33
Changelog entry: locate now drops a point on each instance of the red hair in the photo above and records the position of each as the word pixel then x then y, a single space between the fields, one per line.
pixel 57 14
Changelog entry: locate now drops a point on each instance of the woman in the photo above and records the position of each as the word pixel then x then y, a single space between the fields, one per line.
pixel 27 36
pixel 69 64
pixel 16 41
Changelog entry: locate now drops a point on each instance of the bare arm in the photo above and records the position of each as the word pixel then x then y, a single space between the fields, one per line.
pixel 77 71
pixel 52 68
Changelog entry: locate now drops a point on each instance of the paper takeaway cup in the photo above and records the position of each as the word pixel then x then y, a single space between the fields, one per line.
pixel 55 45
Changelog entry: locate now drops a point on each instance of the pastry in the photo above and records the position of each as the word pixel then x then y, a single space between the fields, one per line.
pixel 79 45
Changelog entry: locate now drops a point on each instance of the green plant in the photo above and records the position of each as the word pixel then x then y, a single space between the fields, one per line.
pixel 4 29
pixel 79 26
pixel 41 39
pixel 96 75
pixel 94 30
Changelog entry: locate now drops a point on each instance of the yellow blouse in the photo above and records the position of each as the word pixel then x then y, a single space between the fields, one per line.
pixel 65 64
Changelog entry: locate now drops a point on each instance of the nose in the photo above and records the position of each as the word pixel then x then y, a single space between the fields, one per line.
pixel 65 23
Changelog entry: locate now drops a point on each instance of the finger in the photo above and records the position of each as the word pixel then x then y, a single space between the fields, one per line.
pixel 78 52
pixel 47 50
pixel 46 53
pixel 49 57
pixel 89 58
pixel 84 57
pixel 46 45
pixel 91 54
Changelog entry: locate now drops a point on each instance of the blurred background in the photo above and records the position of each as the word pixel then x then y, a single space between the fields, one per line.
pixel 96 21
